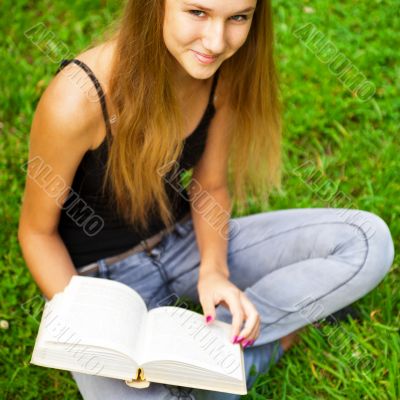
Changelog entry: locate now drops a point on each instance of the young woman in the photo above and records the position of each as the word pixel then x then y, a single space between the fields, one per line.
pixel 184 87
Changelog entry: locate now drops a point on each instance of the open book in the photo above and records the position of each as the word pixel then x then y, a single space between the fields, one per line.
pixel 102 327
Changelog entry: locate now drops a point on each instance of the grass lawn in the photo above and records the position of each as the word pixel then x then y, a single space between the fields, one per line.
pixel 344 136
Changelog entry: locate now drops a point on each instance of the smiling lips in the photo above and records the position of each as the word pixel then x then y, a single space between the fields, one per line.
pixel 203 58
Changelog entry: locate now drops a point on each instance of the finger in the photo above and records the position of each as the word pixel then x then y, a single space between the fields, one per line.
pixel 252 337
pixel 235 307
pixel 252 334
pixel 254 331
pixel 252 318
pixel 207 303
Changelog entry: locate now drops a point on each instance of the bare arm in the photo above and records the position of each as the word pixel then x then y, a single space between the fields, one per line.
pixel 210 214
pixel 210 219
pixel 60 135
pixel 210 201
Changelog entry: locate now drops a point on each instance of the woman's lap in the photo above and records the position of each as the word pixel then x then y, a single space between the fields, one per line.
pixel 291 263
pixel 296 266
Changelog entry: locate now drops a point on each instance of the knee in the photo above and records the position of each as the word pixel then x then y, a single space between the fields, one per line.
pixel 379 241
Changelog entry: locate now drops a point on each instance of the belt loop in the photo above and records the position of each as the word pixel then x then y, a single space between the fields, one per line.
pixel 103 269
pixel 155 253
pixel 145 246
pixel 180 230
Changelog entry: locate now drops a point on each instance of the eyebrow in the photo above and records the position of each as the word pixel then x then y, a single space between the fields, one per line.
pixel 209 9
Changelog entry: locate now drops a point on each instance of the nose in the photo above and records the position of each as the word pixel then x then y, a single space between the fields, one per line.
pixel 214 37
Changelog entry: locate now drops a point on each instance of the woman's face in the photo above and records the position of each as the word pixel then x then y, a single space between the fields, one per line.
pixel 212 27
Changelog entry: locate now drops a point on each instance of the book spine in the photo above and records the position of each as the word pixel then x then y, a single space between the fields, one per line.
pixel 140 375
pixel 140 381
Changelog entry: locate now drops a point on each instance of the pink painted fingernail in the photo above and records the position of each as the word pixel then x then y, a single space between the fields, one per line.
pixel 240 339
pixel 235 339
pixel 245 343
pixel 208 318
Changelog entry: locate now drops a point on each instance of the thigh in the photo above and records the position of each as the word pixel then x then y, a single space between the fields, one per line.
pixel 271 241
pixel 141 274
pixel 262 243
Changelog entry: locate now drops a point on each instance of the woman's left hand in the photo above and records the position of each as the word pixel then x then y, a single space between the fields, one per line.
pixel 215 288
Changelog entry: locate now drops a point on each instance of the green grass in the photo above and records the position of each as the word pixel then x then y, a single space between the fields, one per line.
pixel 352 145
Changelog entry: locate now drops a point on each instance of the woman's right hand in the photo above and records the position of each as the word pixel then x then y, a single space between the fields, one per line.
pixel 215 288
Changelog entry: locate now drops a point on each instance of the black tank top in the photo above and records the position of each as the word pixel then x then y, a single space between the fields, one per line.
pixel 89 225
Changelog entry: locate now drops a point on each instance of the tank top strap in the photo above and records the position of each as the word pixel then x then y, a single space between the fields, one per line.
pixel 97 85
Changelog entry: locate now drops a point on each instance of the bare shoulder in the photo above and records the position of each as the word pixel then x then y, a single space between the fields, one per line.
pixel 65 125
pixel 71 98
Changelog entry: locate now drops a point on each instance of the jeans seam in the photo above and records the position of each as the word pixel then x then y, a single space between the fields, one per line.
pixel 359 268
pixel 294 229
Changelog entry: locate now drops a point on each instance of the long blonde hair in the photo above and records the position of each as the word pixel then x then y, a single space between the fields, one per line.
pixel 150 130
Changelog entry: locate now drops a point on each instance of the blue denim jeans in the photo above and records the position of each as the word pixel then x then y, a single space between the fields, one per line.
pixel 297 266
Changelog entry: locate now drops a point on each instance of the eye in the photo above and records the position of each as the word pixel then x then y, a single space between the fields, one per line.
pixel 241 16
pixel 193 12
pixel 244 17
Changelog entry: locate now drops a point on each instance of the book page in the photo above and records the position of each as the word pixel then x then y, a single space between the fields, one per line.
pixel 177 334
pixel 97 312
